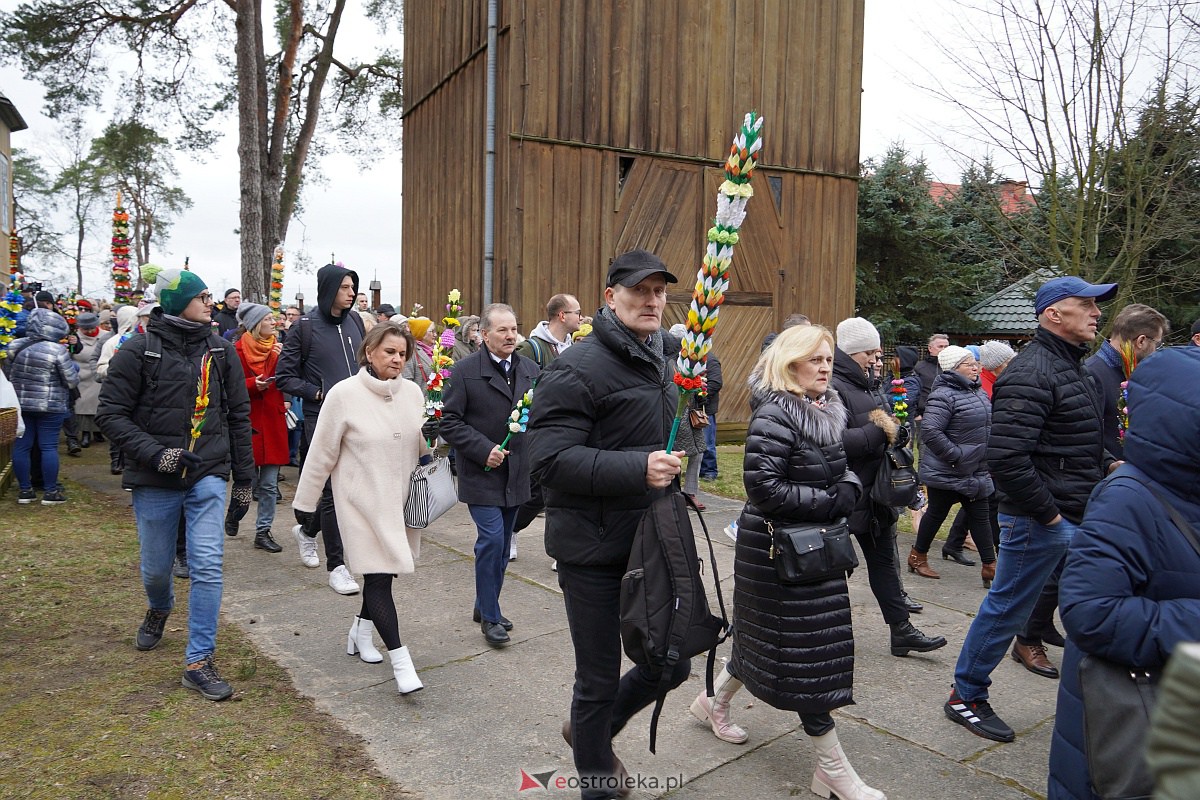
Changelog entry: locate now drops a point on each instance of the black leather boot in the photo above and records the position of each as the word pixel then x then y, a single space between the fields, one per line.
pixel 231 525
pixel 907 639
pixel 118 465
pixel 263 541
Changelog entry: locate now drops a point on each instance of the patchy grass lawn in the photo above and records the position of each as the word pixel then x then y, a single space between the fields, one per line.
pixel 85 715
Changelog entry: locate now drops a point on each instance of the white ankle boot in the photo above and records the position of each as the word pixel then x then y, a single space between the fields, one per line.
pixel 406 674
pixel 835 775
pixel 715 710
pixel 359 641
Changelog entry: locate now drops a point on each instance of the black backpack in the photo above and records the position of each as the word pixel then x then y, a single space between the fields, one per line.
pixel 665 615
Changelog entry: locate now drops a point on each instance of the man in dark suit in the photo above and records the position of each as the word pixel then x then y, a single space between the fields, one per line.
pixel 492 481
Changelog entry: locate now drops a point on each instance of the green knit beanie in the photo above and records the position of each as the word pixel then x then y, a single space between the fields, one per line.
pixel 174 288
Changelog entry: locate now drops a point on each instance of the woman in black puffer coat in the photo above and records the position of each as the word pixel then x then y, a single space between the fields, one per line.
pixel 793 645
pixel 953 468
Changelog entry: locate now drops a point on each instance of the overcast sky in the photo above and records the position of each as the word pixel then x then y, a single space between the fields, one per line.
pixel 355 215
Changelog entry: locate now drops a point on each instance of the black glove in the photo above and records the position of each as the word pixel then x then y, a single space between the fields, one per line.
pixel 431 429
pixel 844 499
pixel 172 460
pixel 242 495
pixel 902 436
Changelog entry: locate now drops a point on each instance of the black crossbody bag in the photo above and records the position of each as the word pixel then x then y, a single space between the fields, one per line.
pixel 808 552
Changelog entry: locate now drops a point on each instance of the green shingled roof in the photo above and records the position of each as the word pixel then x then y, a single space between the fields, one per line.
pixel 1010 310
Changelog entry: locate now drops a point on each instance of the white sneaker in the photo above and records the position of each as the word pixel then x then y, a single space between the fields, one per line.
pixel 308 547
pixel 731 530
pixel 341 581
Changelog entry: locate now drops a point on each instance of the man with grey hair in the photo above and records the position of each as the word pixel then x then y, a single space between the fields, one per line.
pixel 492 481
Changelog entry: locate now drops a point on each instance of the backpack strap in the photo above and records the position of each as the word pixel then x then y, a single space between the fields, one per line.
pixel 673 649
pixel 152 355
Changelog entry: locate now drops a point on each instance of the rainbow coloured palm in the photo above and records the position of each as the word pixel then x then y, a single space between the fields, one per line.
pixel 712 280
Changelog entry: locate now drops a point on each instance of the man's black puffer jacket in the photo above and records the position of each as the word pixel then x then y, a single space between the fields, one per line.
pixel 865 442
pixel 794 644
pixel 598 410
pixel 147 407
pixel 1046 452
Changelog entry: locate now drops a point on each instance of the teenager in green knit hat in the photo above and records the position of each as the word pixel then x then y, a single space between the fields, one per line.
pixel 175 401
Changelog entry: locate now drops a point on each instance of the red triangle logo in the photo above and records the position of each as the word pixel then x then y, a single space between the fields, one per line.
pixel 528 782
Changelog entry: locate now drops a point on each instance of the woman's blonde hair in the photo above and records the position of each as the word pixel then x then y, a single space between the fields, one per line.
pixel 774 367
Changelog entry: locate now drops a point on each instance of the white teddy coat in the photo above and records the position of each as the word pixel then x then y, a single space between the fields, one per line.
pixel 368 439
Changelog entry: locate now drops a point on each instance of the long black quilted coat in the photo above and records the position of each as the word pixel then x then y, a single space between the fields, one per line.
pixel 793 645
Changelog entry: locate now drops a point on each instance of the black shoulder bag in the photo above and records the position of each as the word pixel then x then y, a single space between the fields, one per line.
pixel 807 552
pixel 1117 703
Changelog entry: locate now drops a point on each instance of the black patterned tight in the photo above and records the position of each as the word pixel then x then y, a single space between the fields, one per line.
pixel 379 607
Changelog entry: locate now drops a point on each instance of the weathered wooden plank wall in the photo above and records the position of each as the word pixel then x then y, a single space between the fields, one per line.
pixel 613 118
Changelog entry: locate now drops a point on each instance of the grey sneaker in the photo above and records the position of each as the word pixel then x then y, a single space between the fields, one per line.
pixel 202 676
pixel 54 498
pixel 180 568
pixel 149 634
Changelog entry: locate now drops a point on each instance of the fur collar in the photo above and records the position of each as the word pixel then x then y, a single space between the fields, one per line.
pixel 824 426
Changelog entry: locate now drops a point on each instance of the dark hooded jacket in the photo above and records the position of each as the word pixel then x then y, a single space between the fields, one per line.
pixel 907 356
pixel 321 349
pixel 146 405
pixel 598 410
pixel 1130 590
pixel 42 371
pixel 794 644
pixel 927 369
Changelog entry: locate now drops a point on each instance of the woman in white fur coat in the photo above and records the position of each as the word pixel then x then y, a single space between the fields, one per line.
pixel 367 423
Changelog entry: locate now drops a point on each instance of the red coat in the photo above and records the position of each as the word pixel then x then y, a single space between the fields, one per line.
pixel 267 409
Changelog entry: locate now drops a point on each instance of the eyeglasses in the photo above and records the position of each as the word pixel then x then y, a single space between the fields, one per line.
pixel 205 297
pixel 577 312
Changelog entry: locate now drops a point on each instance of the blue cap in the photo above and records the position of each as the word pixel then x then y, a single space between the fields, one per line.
pixel 1061 288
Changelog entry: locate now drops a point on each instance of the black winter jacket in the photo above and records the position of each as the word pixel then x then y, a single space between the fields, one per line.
pixel 713 401
pixel 864 441
pixel 1045 452
pixel 1108 379
pixel 146 406
pixel 927 369
pixel 954 432
pixel 321 349
pixel 475 419
pixel 598 410
pixel 793 645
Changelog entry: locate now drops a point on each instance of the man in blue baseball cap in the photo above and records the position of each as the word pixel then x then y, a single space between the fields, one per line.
pixel 1046 454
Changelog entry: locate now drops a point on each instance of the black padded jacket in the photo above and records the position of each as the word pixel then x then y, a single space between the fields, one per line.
pixel 1046 451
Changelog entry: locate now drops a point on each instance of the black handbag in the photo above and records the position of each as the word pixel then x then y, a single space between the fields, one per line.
pixel 811 553
pixel 896 480
pixel 1117 703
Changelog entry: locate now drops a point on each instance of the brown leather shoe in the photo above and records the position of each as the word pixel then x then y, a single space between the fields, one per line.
pixel 619 770
pixel 919 563
pixel 988 573
pixel 1033 658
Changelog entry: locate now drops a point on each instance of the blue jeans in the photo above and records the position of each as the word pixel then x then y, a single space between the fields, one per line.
pixel 1029 552
pixel 157 511
pixel 267 481
pixel 41 427
pixel 494 526
pixel 708 462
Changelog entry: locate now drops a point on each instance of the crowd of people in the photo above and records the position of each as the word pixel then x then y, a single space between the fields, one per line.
pixel 1069 464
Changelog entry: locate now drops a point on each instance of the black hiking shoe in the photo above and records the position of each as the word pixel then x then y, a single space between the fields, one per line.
pixel 151 630
pixel 907 639
pixel 202 676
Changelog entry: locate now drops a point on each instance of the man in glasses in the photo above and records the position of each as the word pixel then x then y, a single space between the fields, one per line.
pixel 174 399
pixel 553 335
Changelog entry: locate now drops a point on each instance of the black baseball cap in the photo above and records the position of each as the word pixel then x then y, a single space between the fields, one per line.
pixel 386 309
pixel 630 269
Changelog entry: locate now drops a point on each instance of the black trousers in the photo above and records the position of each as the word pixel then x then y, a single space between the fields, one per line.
pixel 325 518
pixel 879 552
pixel 978 519
pixel 603 700
pixel 958 529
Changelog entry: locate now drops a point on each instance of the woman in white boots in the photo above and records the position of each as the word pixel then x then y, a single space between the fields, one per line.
pixel 369 432
pixel 792 645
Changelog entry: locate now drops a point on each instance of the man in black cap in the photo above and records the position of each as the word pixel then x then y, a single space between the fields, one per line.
pixel 602 413
pixel 44 300
pixel 385 312
pixel 1196 333
pixel 1046 454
